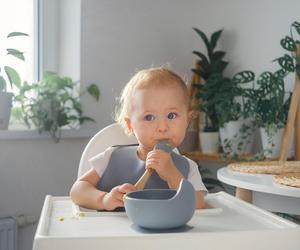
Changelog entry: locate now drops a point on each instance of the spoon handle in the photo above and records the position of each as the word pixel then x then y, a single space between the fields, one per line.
pixel 140 184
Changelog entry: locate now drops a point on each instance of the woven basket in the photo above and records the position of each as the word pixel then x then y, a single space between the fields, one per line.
pixel 266 167
pixel 290 179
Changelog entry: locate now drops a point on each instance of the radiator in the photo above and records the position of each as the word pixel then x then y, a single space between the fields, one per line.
pixel 8 234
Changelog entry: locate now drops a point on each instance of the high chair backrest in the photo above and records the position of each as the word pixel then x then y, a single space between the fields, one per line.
pixel 111 135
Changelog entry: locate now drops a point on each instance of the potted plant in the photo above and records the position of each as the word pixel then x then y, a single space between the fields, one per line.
pixel 236 130
pixel 53 104
pixel 9 75
pixel 269 103
pixel 211 63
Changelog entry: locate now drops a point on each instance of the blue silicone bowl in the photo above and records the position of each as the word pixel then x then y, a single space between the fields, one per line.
pixel 161 208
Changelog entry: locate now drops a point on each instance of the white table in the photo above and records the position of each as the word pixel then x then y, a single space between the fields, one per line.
pixel 234 225
pixel 265 193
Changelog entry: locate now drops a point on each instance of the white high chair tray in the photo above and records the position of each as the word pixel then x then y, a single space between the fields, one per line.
pixel 237 225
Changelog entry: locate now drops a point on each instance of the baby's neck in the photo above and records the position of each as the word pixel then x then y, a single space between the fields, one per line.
pixel 142 153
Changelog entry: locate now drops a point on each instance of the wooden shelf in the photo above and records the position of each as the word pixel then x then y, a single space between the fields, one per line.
pixel 200 156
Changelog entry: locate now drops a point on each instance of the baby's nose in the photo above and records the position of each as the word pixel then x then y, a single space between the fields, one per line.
pixel 162 125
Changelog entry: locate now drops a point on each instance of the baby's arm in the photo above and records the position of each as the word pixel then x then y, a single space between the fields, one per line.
pixel 84 191
pixel 200 199
pixel 85 194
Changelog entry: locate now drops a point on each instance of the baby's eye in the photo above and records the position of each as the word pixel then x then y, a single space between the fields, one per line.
pixel 149 117
pixel 172 115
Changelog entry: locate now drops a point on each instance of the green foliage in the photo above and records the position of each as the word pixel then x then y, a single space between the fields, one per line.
pixel 236 146
pixel 213 61
pixel 269 102
pixel 218 94
pixel 8 73
pixel 290 62
pixel 53 103
pixel 211 67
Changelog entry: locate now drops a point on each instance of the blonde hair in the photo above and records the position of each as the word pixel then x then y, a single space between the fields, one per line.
pixel 159 76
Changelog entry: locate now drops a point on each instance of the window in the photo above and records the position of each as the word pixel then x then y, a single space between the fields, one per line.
pixel 19 16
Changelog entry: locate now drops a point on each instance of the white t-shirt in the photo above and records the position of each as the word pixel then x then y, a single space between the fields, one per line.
pixel 100 162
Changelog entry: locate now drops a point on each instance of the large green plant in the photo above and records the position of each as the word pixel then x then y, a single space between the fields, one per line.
pixel 225 96
pixel 269 102
pixel 52 104
pixel 290 62
pixel 210 64
pixel 8 73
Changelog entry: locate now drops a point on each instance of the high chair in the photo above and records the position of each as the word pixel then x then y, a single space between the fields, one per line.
pixel 111 135
pixel 64 227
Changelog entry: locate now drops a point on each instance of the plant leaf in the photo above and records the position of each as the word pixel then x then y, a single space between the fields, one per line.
pixel 288 43
pixel 218 55
pixel 218 66
pixel 201 55
pixel 2 84
pixel 280 73
pixel 94 91
pixel 296 25
pixel 203 37
pixel 16 53
pixel 214 39
pixel 83 119
pixel 286 62
pixel 16 34
pixel 13 76
pixel 244 77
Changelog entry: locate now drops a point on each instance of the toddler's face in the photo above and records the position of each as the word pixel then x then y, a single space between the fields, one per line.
pixel 159 113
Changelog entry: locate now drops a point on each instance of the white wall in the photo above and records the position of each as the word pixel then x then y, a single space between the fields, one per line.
pixel 118 37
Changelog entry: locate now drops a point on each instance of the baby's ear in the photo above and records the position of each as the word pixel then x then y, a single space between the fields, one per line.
pixel 191 115
pixel 128 125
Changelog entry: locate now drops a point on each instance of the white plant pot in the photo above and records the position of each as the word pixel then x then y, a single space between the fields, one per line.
pixel 5 109
pixel 271 145
pixel 209 142
pixel 234 141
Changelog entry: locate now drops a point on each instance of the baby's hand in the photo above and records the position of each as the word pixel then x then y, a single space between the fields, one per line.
pixel 163 164
pixel 114 198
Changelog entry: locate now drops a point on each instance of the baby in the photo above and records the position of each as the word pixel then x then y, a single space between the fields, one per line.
pixel 154 107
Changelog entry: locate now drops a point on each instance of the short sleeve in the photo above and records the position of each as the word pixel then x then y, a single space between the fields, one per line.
pixel 100 161
pixel 194 176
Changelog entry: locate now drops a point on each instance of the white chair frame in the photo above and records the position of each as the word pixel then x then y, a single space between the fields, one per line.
pixel 111 135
